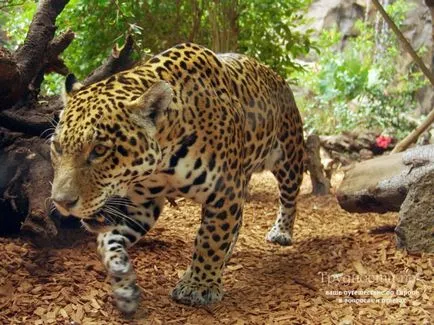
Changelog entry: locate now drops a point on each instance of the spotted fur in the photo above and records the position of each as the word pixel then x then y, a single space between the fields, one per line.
pixel 186 123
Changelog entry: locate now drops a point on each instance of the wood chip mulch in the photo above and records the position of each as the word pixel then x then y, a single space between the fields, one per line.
pixel 343 269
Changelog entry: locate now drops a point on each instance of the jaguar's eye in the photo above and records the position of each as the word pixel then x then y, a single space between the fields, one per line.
pixel 98 151
pixel 56 147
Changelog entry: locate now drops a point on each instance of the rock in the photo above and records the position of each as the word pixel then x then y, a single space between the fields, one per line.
pixel 415 229
pixel 417 28
pixel 343 14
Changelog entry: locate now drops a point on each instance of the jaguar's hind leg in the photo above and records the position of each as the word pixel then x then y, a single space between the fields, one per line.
pixel 289 175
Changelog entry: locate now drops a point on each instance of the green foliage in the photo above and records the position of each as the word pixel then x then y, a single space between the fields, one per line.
pixel 15 18
pixel 265 29
pixel 361 86
pixel 268 31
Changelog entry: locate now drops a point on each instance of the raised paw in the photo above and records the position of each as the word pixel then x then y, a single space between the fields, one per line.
pixel 119 265
pixel 127 297
pixel 189 292
pixel 278 237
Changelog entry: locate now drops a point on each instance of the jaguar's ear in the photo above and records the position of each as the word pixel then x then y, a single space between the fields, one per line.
pixel 154 101
pixel 71 86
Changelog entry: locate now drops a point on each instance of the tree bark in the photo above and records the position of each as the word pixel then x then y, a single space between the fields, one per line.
pixel 320 183
pixel 18 70
pixel 223 18
pixel 381 184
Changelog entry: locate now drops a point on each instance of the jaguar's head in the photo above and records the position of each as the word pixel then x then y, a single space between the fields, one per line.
pixel 104 142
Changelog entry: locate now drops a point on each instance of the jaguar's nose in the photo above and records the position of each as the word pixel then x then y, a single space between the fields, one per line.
pixel 66 202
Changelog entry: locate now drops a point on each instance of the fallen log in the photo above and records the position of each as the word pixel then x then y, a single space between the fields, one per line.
pixel 347 147
pixel 381 184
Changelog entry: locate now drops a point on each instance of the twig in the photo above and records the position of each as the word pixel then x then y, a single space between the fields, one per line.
pixel 404 41
pixel 414 135
pixel 119 60
pixel 304 284
pixel 385 229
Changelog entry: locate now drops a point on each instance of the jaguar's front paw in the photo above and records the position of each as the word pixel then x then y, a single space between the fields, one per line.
pixel 279 237
pixel 119 265
pixel 126 292
pixel 127 298
pixel 190 292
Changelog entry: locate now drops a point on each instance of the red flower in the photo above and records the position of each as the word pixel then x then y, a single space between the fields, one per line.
pixel 383 141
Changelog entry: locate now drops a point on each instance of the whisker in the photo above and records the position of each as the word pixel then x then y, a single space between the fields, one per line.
pixel 114 211
pixel 116 204
pixel 52 120
pixel 125 202
pixel 119 198
pixel 50 132
pixel 110 219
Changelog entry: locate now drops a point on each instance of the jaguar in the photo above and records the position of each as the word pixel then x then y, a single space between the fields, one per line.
pixel 186 123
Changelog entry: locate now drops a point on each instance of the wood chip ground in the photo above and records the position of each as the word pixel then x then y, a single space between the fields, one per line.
pixel 343 269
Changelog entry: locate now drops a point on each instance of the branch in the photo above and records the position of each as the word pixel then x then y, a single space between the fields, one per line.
pixel 414 135
pixel 55 48
pixel 41 31
pixel 7 64
pixel 26 124
pixel 52 62
pixel 119 60
pixel 27 63
pixel 404 42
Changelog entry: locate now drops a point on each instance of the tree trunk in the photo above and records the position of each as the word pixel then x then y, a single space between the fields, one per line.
pixel 381 184
pixel 223 17
pixel 320 183
pixel 22 72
